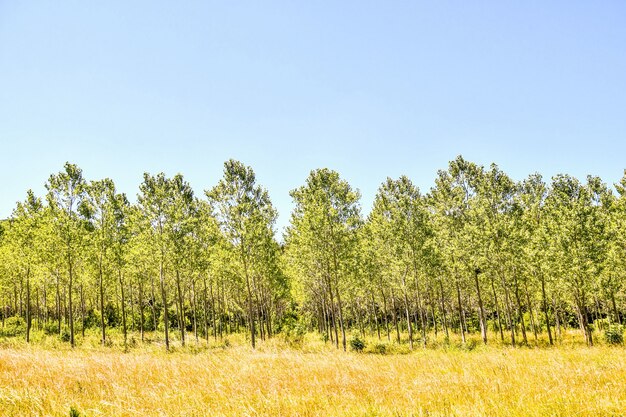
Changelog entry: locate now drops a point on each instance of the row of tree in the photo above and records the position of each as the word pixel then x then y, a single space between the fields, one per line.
pixel 478 253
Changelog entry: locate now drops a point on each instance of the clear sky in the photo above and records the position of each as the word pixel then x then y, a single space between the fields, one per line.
pixel 370 89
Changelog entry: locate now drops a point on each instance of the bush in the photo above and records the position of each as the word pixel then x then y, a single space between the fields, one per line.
pixel 92 318
pixel 65 334
pixel 14 326
pixel 379 348
pixel 51 328
pixel 293 331
pixel 614 334
pixel 357 344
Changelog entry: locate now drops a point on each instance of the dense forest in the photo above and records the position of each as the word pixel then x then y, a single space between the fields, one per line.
pixel 479 253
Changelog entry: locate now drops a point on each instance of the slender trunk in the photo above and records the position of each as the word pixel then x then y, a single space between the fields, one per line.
pixel 45 304
pixel 497 304
pixel 395 315
pixel 192 300
pixel 70 307
pixel 531 313
pixel 58 303
pixel 386 315
pixel 334 314
pixel 520 314
pixel 509 314
pixel 123 301
pixel 343 329
pixel 141 325
pixel 38 307
pixel 420 309
pixel 406 311
pixel 28 312
pixel 443 310
pixel 326 317
pixel 615 313
pixel 181 313
pixel 461 318
pixel 481 310
pixel 164 299
pixel 82 311
pixel 101 287
pixel 545 308
pixel 132 305
pixel 375 315
pixel 431 303
pixel 205 313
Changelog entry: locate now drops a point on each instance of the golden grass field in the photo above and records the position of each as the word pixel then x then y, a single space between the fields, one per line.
pixel 316 380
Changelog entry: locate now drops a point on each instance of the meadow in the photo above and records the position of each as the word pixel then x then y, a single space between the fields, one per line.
pixel 229 378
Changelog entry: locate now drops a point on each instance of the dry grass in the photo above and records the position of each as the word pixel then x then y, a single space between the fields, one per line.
pixel 278 381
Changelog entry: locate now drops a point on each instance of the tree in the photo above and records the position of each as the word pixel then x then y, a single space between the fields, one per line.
pixel 22 241
pixel 66 193
pixel 322 239
pixel 105 213
pixel 400 225
pixel 246 216
pixel 153 204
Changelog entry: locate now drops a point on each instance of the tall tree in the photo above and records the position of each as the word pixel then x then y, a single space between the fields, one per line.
pixel 400 224
pixel 246 216
pixel 322 238
pixel 66 193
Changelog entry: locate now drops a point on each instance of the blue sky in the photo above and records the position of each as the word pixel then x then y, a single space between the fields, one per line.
pixel 370 89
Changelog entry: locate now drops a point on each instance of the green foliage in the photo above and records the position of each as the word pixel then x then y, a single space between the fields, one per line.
pixel 378 348
pixel 293 330
pixel 51 328
pixel 614 334
pixel 356 343
pixel 473 254
pixel 65 335
pixel 14 326
pixel 74 412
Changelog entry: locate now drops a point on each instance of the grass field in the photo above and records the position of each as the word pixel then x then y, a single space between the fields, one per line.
pixel 315 380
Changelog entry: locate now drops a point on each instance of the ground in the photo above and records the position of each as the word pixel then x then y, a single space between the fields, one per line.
pixel 231 379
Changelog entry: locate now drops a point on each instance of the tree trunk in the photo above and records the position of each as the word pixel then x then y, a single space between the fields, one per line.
pixel 497 304
pixel 70 307
pixel 181 312
pixel 481 310
pixel 461 318
pixel 520 313
pixel 123 300
pixel 443 310
pixel 420 309
pixel 545 308
pixel 101 285
pixel 82 311
pixel 406 311
pixel 395 315
pixel 141 325
pixel 343 329
pixel 164 299
pixel 28 312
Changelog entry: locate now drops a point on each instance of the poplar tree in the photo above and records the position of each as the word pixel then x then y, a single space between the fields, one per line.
pixel 66 193
pixel 246 216
pixel 322 239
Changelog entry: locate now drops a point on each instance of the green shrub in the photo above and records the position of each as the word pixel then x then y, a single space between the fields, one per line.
pixel 357 344
pixel 14 326
pixel 51 328
pixel 65 334
pixel 614 334
pixel 293 331
pixel 379 348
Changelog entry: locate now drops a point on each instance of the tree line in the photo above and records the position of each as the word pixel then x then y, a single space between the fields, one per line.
pixel 479 253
